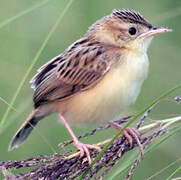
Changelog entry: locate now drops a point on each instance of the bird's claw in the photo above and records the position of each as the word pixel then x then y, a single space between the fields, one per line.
pixel 130 134
pixel 84 149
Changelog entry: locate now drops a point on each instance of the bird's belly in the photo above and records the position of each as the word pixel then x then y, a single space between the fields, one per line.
pixel 105 101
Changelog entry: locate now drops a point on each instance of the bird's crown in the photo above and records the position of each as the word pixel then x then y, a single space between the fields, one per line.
pixel 131 17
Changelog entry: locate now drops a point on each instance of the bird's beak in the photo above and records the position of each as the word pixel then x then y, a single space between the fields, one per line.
pixel 155 30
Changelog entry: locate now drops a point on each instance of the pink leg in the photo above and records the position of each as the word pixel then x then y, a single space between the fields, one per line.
pixel 84 148
pixel 129 134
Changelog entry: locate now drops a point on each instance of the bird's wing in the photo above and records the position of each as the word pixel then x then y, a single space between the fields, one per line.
pixel 70 73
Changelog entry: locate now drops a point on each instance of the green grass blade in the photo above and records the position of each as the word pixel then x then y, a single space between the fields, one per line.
pixel 5 102
pixel 126 125
pixel 11 19
pixel 177 170
pixel 34 61
pixel 164 169
pixel 149 150
pixel 15 116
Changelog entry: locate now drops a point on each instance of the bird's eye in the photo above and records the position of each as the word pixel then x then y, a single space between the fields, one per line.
pixel 132 31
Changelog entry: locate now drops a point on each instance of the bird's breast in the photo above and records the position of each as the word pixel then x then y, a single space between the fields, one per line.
pixel 115 92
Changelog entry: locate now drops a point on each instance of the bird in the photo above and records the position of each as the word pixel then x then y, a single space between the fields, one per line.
pixel 96 78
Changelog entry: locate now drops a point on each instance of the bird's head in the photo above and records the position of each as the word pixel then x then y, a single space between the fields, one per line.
pixel 126 29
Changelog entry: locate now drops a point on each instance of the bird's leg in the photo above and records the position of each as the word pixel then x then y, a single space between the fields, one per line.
pixel 129 134
pixel 84 148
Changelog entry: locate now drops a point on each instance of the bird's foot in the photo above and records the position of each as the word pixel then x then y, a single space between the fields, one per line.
pixel 84 149
pixel 130 134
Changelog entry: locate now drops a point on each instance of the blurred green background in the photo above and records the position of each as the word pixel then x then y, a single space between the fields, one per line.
pixel 21 39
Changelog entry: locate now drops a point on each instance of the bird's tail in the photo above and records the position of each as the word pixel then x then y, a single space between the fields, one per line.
pixel 25 129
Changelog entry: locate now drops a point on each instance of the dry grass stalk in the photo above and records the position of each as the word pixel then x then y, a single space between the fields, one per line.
pixel 70 166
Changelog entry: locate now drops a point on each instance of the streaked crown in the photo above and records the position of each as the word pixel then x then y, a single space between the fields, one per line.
pixel 131 16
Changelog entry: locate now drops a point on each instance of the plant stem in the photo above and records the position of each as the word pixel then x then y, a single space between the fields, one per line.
pixel 34 62
pixel 177 170
pixel 164 123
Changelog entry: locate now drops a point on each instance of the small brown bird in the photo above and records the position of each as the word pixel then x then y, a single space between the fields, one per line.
pixel 96 78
